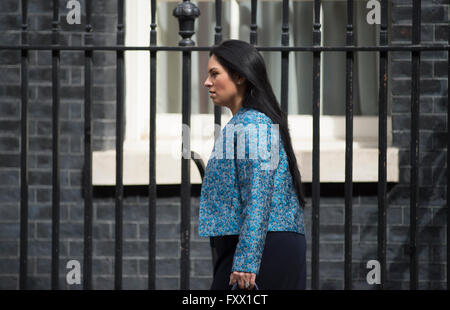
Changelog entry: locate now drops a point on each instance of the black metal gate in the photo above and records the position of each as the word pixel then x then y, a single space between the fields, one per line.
pixel 186 12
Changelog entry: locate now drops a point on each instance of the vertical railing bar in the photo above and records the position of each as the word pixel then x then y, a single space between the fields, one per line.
pixel 316 150
pixel 186 172
pixel 88 193
pixel 217 40
pixel 285 58
pixel 119 149
pixel 152 163
pixel 23 269
pixel 217 109
pixel 415 110
pixel 55 148
pixel 382 147
pixel 253 25
pixel 448 160
pixel 186 12
pixel 349 150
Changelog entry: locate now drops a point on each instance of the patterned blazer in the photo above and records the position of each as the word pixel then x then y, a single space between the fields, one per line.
pixel 247 189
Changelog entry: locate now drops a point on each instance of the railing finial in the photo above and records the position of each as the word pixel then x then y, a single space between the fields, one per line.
pixel 186 12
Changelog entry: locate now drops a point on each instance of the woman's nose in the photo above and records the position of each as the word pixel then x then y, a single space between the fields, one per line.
pixel 207 82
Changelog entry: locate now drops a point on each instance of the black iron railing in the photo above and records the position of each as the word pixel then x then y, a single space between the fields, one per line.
pixel 186 12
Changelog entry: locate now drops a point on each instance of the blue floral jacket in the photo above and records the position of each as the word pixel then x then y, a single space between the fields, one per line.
pixel 247 188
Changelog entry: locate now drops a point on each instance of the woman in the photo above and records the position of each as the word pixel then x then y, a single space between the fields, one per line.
pixel 251 206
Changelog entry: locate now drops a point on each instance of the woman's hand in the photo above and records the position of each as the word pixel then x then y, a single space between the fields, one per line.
pixel 243 279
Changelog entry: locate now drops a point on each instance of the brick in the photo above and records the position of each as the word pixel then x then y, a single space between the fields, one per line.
pixel 332 215
pixel 439 176
pixel 40 178
pixel 71 195
pixel 403 33
pixel 200 249
pixel 104 93
pixel 103 282
pixel 402 139
pixel 103 248
pixel 9 57
pixel 9 6
pixel 9 248
pixel 9 75
pixel 425 175
pixel 102 59
pixel 9 283
pixel 102 266
pixel 432 193
pixel 441 33
pixel 76 249
pixel 398 271
pixel 335 233
pixel 39 110
pixel 71 161
pixel 404 69
pixel 75 178
pixel 439 141
pixel 135 213
pixel 130 231
pixel 200 283
pixel 163 231
pixel 104 213
pixel 168 214
pixel 102 231
pixel 104 76
pixel 402 15
pixel 440 69
pixel 332 251
pixel 427 87
pixel 432 272
pixel 130 266
pixel 10 194
pixel 134 283
pixel 10 92
pixel 72 58
pixel 135 249
pixel 10 127
pixel 167 267
pixel 104 23
pixel 433 55
pixel 76 112
pixel 396 252
pixel 167 283
pixel 71 230
pixel 202 267
pixel 9 161
pixel 10 177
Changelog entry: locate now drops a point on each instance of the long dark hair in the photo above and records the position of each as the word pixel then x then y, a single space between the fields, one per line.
pixel 240 58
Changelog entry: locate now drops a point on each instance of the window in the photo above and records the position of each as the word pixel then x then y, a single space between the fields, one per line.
pixel 236 25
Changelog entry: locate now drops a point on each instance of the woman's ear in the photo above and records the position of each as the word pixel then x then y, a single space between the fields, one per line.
pixel 240 80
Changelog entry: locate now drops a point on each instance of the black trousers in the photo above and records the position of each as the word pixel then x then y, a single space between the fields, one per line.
pixel 283 262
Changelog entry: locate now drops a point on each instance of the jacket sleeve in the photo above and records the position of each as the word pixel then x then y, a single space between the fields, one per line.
pixel 255 178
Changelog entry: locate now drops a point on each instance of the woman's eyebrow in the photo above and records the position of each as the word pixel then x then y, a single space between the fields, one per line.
pixel 211 69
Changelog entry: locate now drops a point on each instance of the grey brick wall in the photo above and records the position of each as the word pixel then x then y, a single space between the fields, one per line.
pixel 432 211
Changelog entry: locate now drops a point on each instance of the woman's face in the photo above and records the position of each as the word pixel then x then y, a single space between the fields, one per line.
pixel 222 89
